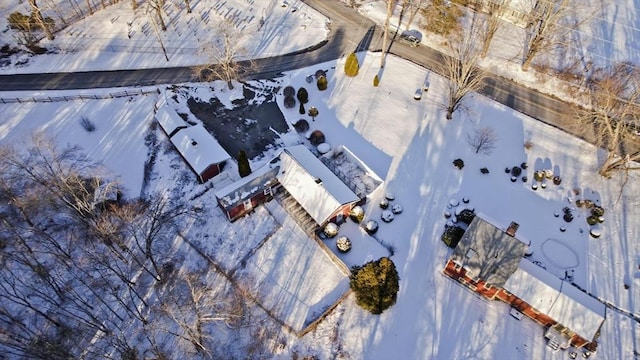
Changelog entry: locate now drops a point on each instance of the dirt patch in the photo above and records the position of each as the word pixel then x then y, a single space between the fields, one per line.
pixel 250 126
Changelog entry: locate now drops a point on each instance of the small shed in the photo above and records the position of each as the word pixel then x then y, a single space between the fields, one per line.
pixel 244 195
pixel 318 190
pixel 201 151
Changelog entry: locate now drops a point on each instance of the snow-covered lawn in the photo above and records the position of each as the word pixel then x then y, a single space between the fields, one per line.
pixel 411 145
pixel 126 39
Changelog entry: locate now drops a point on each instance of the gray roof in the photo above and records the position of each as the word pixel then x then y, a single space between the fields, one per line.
pixel 488 253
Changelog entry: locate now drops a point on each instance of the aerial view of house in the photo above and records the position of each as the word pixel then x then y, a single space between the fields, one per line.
pixel 319 179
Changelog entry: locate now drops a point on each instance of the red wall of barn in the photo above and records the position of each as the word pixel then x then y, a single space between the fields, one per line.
pixel 208 173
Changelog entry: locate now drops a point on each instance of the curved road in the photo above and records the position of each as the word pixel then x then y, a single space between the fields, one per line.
pixel 350 32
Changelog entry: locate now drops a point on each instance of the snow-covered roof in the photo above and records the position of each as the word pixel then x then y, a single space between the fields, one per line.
pixel 557 298
pixel 312 184
pixel 169 119
pixel 487 252
pixel 199 148
pixel 237 192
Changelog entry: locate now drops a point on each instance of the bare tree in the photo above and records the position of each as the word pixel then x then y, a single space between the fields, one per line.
pixel 613 113
pixel 413 6
pixel 495 10
pixel 225 55
pixel 385 36
pixel 192 304
pixel 156 6
pixel 187 4
pixel 549 22
pixel 482 140
pixel 460 68
pixel 41 21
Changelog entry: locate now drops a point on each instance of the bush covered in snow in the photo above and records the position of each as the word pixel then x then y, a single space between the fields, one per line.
pixel 452 235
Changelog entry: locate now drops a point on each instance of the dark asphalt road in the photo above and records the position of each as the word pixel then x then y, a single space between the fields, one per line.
pixel 350 32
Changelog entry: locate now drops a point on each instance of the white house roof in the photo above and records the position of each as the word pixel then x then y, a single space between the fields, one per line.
pixel 169 119
pixel 559 299
pixel 312 184
pixel 199 148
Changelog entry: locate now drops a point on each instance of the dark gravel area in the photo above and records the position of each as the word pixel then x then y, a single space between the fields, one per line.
pixel 248 126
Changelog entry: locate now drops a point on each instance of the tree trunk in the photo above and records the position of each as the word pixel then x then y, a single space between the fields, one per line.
pixel 35 10
pixel 160 18
pixel 188 5
pixel 134 4
pixel 89 7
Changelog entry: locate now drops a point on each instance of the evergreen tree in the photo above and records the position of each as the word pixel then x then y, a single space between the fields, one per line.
pixel 351 66
pixel 375 284
pixel 244 168
pixel 303 95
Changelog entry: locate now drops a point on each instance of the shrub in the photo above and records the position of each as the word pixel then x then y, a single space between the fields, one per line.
pixel 376 81
pixel 452 236
pixel 301 109
pixel 289 91
pixel 351 66
pixel 357 214
pixel 484 170
pixel 516 171
pixel 322 83
pixel 316 138
pixel 597 211
pixel 466 216
pixel 313 112
pixel 303 95
pixel 19 21
pixel 289 102
pixel 528 144
pixel 458 163
pixel 244 168
pixel 592 220
pixel 301 125
pixel 375 285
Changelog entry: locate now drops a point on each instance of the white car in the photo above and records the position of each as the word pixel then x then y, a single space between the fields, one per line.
pixel 418 94
pixel 410 40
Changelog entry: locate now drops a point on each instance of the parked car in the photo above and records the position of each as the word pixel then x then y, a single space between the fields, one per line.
pixel 409 39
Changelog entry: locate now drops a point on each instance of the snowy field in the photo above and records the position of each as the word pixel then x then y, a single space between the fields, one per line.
pixel 607 35
pixel 408 143
pixel 119 38
pixel 411 145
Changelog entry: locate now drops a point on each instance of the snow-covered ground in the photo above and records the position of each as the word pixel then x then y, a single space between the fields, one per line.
pixel 605 36
pixel 411 145
pixel 117 37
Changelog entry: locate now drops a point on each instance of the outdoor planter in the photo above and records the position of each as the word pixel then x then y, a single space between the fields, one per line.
pixel 343 244
pixel 534 186
pixel 390 196
pixel 543 185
